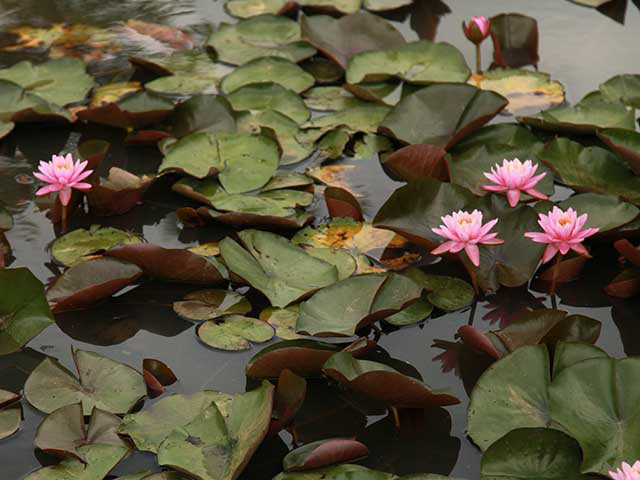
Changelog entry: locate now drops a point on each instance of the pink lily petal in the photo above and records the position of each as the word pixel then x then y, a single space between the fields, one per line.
pixel 494 188
pixel 64 195
pixel 513 196
pixel 580 249
pixel 443 248
pixel 82 186
pixel 473 253
pixel 47 190
pixel 532 192
pixel 549 253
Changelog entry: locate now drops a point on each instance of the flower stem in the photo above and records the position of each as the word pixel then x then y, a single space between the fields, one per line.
pixel 474 280
pixel 64 218
pixel 396 417
pixel 478 60
pixel 554 274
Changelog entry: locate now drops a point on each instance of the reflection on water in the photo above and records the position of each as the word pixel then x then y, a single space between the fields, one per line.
pixel 579 47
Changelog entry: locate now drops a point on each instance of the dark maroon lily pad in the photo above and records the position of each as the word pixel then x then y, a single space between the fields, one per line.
pixel 624 285
pixel 157 375
pixel 289 397
pixel 324 453
pixel 416 161
pixel 171 264
pixel 342 203
pixel 89 282
pixel 515 40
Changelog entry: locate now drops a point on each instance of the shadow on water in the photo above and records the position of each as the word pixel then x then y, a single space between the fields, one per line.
pixel 139 323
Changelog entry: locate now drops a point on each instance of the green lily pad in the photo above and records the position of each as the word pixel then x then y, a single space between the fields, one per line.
pixel 421 62
pixel 330 99
pixel 100 460
pixel 19 105
pixel 282 128
pixel 527 453
pixel 270 96
pixel 24 310
pixel 210 304
pixel 446 293
pixel 382 382
pixel 209 113
pixel 528 92
pixel 585 117
pixel 341 39
pixel 593 402
pixel 512 393
pixel 10 414
pixel 63 431
pixel 623 88
pixel 511 134
pixel 245 162
pixel 235 332
pixel 276 267
pixel 370 145
pixel 467 169
pixel 363 118
pixel 384 5
pixel 414 313
pixel 345 307
pixel 103 383
pixel 268 69
pixel 591 169
pixel 606 212
pixel 342 259
pixel 331 146
pixel 259 37
pixel 287 179
pixel 76 246
pixel 61 81
pixel 6 128
pixel 283 320
pixel 253 8
pixel 214 448
pixel 149 428
pixel 570 353
pixel 446 113
pixel 625 143
pixel 338 472
pixel 188 72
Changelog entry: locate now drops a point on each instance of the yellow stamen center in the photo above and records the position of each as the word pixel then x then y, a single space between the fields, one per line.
pixel 565 221
pixel 465 221
pixel 63 165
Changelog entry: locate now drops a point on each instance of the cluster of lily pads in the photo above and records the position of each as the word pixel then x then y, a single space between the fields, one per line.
pixel 248 124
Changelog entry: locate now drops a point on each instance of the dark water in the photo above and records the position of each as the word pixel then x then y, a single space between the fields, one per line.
pixel 579 46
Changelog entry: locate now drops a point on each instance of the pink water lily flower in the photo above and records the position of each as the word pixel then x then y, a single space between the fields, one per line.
pixel 465 230
pixel 476 29
pixel 515 177
pixel 627 472
pixel 63 175
pixel 562 232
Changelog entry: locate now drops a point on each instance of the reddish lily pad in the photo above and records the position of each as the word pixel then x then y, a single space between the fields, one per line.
pixel 103 383
pixel 342 471
pixel 416 161
pixel 64 430
pixel 341 203
pixel 24 311
pixel 448 112
pixel 149 428
pixel 171 264
pixel 91 281
pixel 324 453
pixel 515 40
pixel 382 382
pixel 117 194
pixel 157 374
pixel 624 285
pixel 289 397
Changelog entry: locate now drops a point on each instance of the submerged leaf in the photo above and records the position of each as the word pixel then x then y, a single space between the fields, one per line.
pixel 324 453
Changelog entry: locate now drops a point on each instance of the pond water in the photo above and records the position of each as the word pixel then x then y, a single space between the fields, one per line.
pixel 578 46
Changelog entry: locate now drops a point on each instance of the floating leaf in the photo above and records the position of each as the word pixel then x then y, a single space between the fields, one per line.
pixel 528 92
pixel 149 428
pixel 341 203
pixel 234 332
pixel 383 5
pixel 623 88
pixel 344 471
pixel 446 293
pixel 210 113
pixel 276 267
pixel 187 72
pixel 113 92
pixel 157 375
pixel 364 118
pixel 268 69
pixel 533 453
pixel 330 99
pixel 89 282
pixel 570 353
pixel 24 311
pixel 601 412
pixel 253 8
pixel 80 245
pixel 583 118
pixel 512 393
pixel 591 169
pixel 416 161
pixel 625 143
pixel 324 453
pixel 100 460
pixel 302 357
pixel 173 265
pixel 210 304
pixel 605 212
pixel 283 320
pixel 414 313
pixel 10 414
pixel 19 105
pixel 345 307
pixel 63 431
pixel 341 39
pixel 447 114
pixel 290 394
pixel 511 134
pixel 270 96
pixel 103 383
pixel 212 448
pixel 421 62
pixel 59 82
pixel 515 40
pixel 382 382
pixel 467 169
pixel 288 179
pixel 259 37
pixel 117 194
